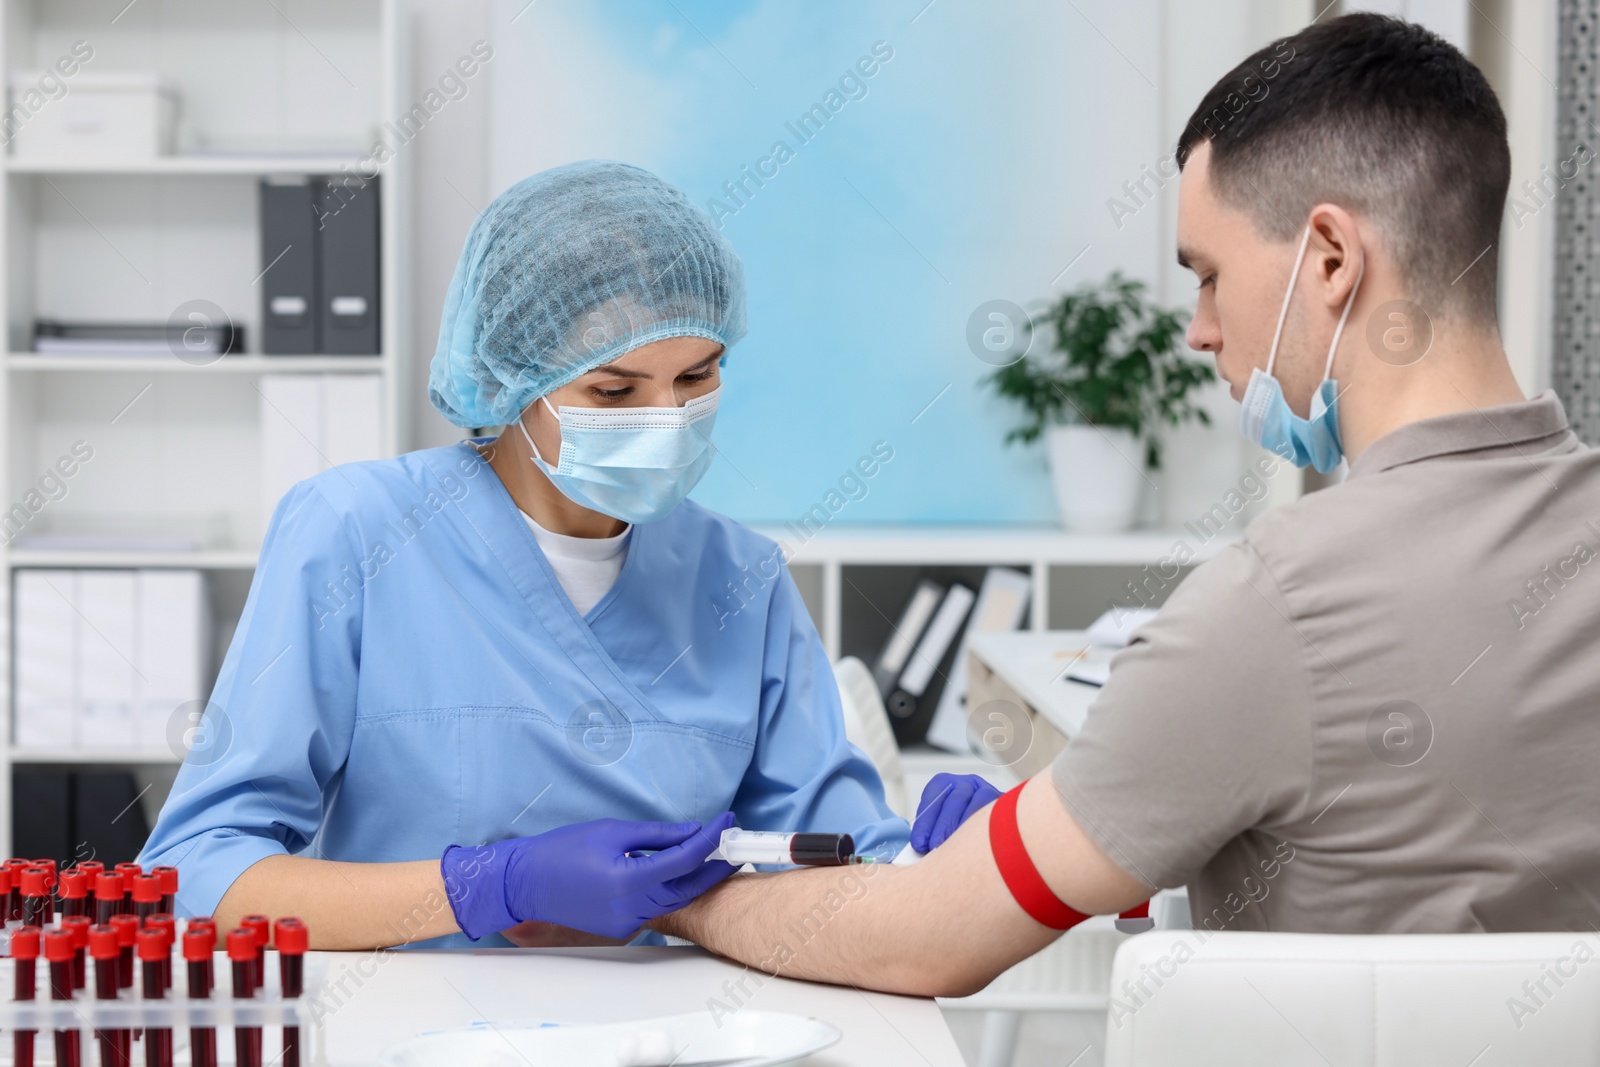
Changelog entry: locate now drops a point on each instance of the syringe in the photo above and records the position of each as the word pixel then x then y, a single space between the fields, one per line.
pixel 765 846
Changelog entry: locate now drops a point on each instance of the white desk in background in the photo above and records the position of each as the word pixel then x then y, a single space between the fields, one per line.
pixel 372 1000
pixel 1030 670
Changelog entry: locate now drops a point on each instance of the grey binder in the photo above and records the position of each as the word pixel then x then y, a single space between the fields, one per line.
pixel 289 267
pixel 348 308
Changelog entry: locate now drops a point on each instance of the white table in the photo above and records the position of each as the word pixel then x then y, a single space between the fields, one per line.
pixel 375 999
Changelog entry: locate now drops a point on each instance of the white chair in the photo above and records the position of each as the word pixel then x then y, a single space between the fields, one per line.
pixel 866 724
pixel 1355 1001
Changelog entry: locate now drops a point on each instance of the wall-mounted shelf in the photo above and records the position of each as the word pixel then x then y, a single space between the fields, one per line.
pixel 194 165
pixel 119 757
pixel 223 559
pixel 41 363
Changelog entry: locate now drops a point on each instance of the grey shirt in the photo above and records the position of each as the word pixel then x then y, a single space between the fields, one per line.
pixel 1380 710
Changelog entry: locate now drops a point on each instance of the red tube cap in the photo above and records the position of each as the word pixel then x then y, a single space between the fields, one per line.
pixel 127 928
pixel 199 944
pixel 169 879
pixel 50 871
pixel 241 944
pixel 33 882
pixel 153 946
pixel 108 886
pixel 25 943
pixel 290 936
pixel 89 867
pixel 8 878
pixel 165 923
pixel 260 926
pixel 78 925
pixel 103 943
pixel 128 870
pixel 74 885
pixel 58 947
pixel 146 889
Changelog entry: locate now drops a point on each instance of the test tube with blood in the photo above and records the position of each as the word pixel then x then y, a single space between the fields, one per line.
pixel 49 889
pixel 74 888
pixel 154 951
pixel 290 936
pixel 129 872
pixel 169 930
pixel 14 891
pixel 127 928
pixel 242 952
pixel 103 948
pixel 107 896
pixel 9 889
pixel 146 893
pixel 58 952
pixel 198 944
pixel 169 886
pixel 35 895
pixel 24 956
pixel 261 927
pixel 78 926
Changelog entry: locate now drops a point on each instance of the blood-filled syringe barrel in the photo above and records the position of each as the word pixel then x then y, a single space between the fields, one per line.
pixel 806 850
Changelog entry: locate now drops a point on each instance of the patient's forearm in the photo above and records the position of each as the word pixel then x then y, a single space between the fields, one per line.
pixel 344 905
pixel 935 929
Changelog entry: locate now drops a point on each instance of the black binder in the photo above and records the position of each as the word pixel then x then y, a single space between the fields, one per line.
pixel 289 265
pixel 347 217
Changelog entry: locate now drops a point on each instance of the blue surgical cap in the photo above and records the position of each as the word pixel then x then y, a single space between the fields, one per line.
pixel 568 270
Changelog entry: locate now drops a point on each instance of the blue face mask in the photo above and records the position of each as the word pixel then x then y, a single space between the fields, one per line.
pixel 634 464
pixel 1265 416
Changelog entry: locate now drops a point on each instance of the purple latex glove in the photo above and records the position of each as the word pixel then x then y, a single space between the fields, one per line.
pixel 582 876
pixel 947 802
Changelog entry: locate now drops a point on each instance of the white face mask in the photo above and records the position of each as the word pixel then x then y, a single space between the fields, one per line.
pixel 634 464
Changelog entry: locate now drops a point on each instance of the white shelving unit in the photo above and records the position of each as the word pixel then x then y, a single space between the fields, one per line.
pixel 177 446
pixel 1048 554
pixel 1069 573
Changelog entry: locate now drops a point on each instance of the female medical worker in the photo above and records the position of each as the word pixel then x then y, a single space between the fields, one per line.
pixel 530 656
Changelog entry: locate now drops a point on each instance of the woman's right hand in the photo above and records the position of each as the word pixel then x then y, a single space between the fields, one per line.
pixel 584 876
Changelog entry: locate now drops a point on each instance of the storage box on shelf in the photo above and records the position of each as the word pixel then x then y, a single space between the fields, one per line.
pixel 172 453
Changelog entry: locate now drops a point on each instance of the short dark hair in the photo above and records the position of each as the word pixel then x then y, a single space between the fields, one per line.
pixel 1379 116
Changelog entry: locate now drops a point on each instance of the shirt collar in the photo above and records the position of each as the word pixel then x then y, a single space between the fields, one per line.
pixel 1526 428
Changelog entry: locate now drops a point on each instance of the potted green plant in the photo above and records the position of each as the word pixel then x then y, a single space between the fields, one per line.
pixel 1111 374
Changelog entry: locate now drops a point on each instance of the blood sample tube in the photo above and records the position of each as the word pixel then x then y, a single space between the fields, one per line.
pixel 14 895
pixel 24 956
pixel 242 952
pixel 107 896
pixel 74 890
pixel 8 888
pixel 92 868
pixel 198 944
pixel 35 895
pixel 146 896
pixel 169 886
pixel 261 927
pixel 49 889
pixel 58 952
pixel 78 926
pixel 154 951
pixel 105 952
pixel 168 926
pixel 127 928
pixel 129 872
pixel 291 939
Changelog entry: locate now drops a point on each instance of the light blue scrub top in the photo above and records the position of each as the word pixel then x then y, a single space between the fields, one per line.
pixel 408 674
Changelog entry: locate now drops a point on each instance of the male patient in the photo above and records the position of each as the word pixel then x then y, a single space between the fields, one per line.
pixel 1379 711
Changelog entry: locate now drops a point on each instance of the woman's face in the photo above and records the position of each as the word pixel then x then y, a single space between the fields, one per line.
pixel 664 374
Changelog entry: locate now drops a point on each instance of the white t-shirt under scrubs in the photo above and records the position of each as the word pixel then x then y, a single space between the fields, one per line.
pixel 586 567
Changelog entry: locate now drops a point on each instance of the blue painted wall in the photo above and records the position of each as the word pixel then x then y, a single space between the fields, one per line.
pixel 974 163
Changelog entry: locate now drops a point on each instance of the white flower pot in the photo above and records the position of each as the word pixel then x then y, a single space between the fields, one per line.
pixel 1098 473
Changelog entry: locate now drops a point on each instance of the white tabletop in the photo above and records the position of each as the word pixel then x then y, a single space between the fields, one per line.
pixel 372 1000
pixel 1035 663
